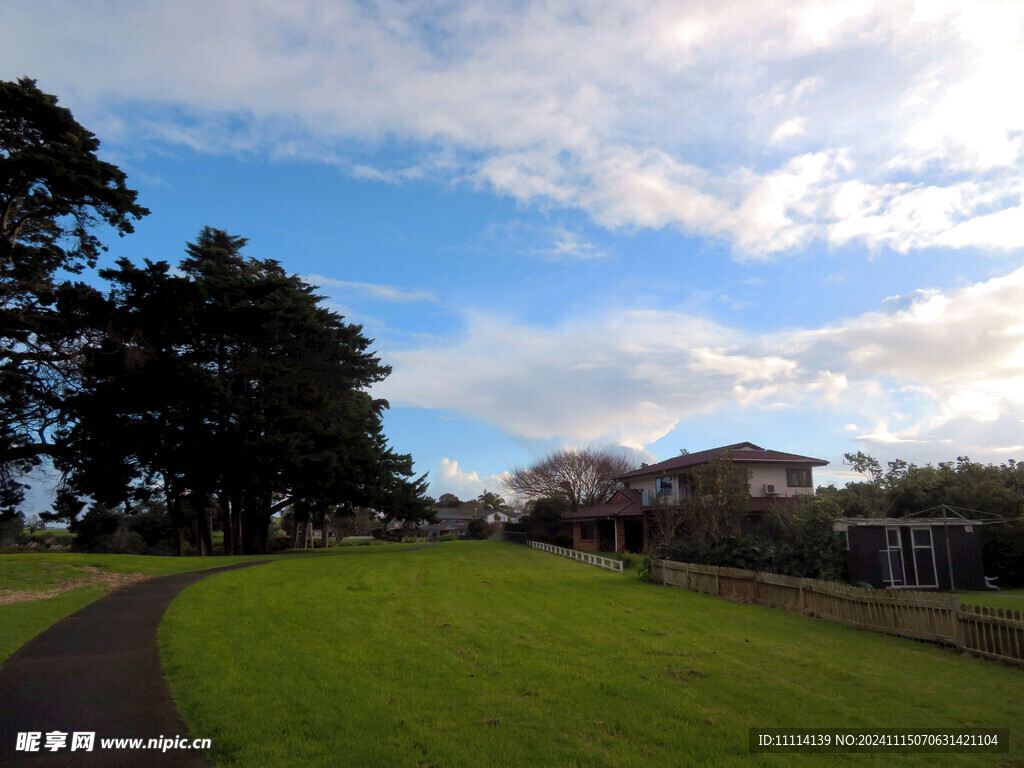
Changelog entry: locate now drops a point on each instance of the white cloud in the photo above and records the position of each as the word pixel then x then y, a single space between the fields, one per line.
pixel 932 370
pixel 881 434
pixel 796 126
pixel 466 485
pixel 386 292
pixel 767 125
pixel 570 246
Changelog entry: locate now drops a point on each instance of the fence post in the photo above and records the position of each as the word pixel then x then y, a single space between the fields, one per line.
pixel 958 628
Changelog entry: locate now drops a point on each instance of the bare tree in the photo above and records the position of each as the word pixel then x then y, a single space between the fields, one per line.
pixel 717 499
pixel 580 477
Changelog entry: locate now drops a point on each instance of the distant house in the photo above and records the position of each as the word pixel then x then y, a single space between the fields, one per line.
pixel 449 520
pixel 622 525
pixel 455 520
pixel 934 549
pixel 495 516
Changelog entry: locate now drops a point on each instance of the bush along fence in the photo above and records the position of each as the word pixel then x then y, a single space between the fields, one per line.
pixel 993 633
pixel 583 557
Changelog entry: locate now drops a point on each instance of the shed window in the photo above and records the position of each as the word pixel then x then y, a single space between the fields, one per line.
pixel 798 478
pixel 588 531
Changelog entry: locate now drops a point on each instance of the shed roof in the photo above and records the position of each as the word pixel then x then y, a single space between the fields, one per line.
pixel 905 522
pixel 741 453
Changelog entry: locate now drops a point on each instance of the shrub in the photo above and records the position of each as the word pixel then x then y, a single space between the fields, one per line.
pixel 144 533
pixel 803 558
pixel 644 574
pixel 154 528
pixel 629 560
pixel 122 541
pixel 94 529
pixel 278 543
pixel 479 528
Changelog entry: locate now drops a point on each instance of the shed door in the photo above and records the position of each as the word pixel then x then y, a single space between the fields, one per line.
pixel 891 559
pixel 924 557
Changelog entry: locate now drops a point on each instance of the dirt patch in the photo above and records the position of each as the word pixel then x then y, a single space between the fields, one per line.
pixel 99 578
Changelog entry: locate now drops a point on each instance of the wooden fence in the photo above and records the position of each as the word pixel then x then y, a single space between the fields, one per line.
pixel 584 557
pixel 994 633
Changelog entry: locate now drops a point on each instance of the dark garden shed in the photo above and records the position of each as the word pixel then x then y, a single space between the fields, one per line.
pixel 935 549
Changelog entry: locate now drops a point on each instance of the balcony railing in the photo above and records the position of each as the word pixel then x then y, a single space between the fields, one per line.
pixel 662 499
pixel 675 498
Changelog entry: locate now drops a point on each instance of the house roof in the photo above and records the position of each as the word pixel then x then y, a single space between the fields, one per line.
pixel 741 453
pixel 625 503
pixel 452 513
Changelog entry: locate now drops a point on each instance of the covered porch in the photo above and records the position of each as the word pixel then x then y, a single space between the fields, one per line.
pixel 609 535
pixel 617 526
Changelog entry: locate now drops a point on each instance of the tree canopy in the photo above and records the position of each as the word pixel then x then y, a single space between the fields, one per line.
pixel 905 488
pixel 446 500
pixel 55 193
pixel 579 477
pixel 227 380
pixel 222 387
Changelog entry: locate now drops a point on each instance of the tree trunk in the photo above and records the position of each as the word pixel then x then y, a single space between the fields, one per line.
pixel 205 533
pixel 225 520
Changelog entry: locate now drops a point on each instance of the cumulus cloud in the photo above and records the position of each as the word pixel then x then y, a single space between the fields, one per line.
pixel 929 370
pixel 770 126
pixel 466 485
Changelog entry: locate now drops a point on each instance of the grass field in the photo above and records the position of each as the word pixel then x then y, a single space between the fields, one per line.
pixel 1006 598
pixel 485 654
pixel 68 581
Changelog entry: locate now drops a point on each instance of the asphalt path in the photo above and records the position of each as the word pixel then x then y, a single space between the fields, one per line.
pixel 98 671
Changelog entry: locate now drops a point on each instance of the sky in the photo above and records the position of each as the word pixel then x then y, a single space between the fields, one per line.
pixel 646 226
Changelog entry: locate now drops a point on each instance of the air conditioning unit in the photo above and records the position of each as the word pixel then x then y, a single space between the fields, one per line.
pixel 769 490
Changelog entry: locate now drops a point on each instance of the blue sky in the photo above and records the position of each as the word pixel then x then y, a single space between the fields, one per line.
pixel 646 225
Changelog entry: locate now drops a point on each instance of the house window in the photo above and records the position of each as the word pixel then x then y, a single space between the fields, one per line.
pixel 588 531
pixel 798 478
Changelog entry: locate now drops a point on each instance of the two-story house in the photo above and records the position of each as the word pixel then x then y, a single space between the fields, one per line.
pixel 620 525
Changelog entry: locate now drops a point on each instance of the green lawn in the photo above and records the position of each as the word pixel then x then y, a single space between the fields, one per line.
pixel 21 621
pixel 484 654
pixel 1004 598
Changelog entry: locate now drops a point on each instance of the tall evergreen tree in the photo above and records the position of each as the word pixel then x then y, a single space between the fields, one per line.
pixel 229 381
pixel 55 193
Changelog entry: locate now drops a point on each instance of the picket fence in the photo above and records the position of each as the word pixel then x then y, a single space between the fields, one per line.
pixel 584 557
pixel 993 633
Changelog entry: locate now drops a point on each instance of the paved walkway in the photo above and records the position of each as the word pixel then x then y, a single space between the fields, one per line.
pixel 98 670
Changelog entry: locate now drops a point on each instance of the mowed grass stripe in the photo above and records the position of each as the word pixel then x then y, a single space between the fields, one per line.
pixel 483 654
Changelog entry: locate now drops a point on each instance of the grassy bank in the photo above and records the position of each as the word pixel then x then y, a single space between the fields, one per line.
pixel 37 590
pixel 483 654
